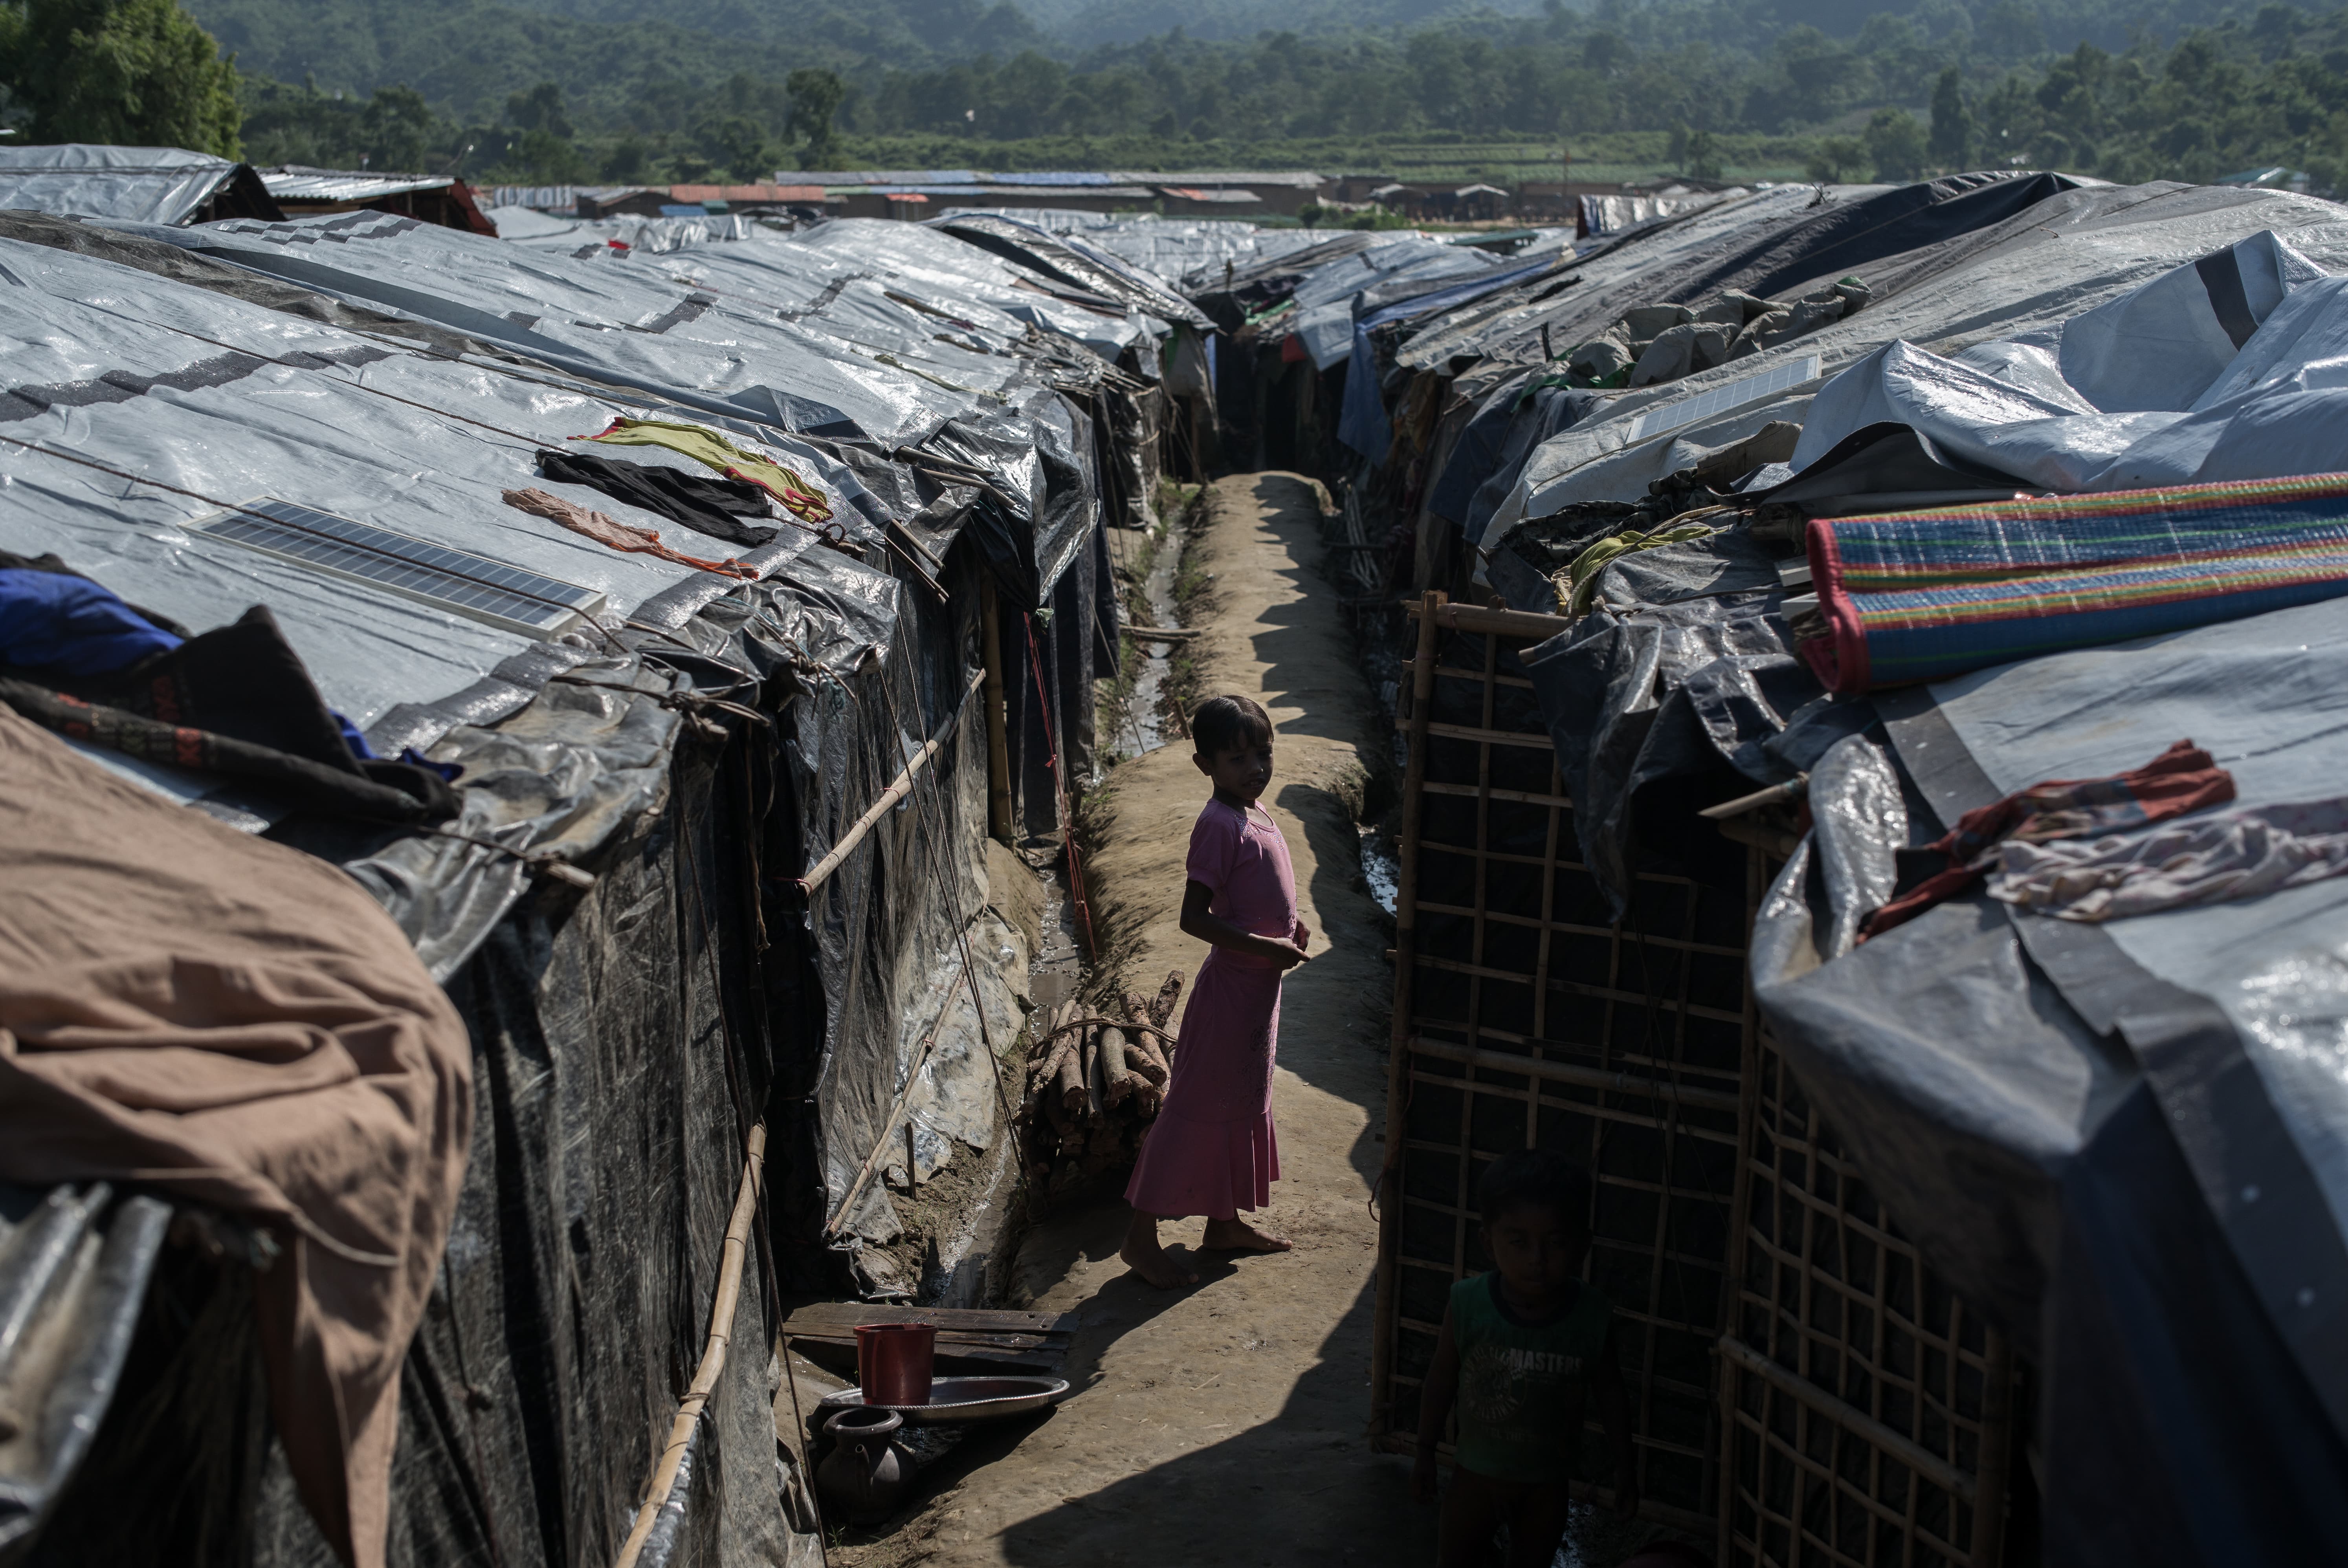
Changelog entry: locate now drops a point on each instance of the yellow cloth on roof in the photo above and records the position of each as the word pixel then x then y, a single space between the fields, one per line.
pixel 801 499
pixel 1582 576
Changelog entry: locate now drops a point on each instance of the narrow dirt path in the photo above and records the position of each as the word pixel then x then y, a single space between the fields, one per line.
pixel 1224 1424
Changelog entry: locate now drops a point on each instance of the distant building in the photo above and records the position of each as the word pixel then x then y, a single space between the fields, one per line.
pixel 301 192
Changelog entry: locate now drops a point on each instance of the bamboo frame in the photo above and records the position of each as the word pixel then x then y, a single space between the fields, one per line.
pixel 1869 1410
pixel 1521 1017
pixel 886 800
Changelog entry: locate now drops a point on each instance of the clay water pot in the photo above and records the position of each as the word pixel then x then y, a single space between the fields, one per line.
pixel 895 1362
pixel 869 1475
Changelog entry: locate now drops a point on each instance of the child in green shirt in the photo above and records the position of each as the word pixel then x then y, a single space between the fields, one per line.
pixel 1521 1352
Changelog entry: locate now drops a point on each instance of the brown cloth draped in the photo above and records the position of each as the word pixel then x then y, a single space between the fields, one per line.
pixel 235 1024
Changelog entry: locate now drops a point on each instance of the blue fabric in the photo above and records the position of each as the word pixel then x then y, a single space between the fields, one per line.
pixel 60 624
pixel 70 625
pixel 1362 422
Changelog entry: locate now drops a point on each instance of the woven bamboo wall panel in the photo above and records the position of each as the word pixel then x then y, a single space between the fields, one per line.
pixel 1631 1040
pixel 1869 1412
pixel 1802 1385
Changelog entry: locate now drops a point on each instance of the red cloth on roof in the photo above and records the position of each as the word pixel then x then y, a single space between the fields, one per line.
pixel 2181 779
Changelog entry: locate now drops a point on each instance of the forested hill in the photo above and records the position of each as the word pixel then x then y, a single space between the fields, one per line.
pixel 561 90
pixel 465 56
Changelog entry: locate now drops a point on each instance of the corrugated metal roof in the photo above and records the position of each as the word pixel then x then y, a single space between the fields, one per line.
pixel 1022 192
pixel 746 192
pixel 1193 193
pixel 1294 178
pixel 292 182
pixel 544 197
pixel 863 177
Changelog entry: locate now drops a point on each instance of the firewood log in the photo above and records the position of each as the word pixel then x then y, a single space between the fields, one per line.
pixel 1159 1070
pixel 1088 1095
pixel 1068 1087
pixel 1162 1009
pixel 1117 1079
pixel 1144 1064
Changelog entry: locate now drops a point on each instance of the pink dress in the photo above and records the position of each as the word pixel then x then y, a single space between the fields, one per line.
pixel 1211 1151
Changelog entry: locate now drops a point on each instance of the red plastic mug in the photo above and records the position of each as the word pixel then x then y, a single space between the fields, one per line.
pixel 896 1361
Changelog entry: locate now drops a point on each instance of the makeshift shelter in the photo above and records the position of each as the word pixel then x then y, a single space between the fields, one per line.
pixel 139 184
pixel 709 978
pixel 1900 1232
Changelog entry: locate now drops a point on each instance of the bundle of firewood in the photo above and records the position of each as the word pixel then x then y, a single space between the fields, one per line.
pixel 1096 1079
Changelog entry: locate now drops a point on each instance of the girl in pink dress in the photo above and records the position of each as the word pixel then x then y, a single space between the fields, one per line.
pixel 1211 1151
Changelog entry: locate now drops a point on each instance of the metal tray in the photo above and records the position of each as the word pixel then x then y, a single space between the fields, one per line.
pixel 965 1400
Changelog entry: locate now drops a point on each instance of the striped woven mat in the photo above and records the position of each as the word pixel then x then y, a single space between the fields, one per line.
pixel 1924 595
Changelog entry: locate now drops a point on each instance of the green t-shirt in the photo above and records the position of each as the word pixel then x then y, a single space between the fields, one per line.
pixel 1521 1384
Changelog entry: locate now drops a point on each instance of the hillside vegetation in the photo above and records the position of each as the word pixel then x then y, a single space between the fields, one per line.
pixel 561 90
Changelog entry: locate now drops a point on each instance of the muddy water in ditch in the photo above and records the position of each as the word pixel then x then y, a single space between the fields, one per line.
pixel 1148 705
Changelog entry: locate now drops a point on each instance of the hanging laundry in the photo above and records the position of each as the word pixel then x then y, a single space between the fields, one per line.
pixel 619 536
pixel 2181 779
pixel 801 499
pixel 2211 859
pixel 713 506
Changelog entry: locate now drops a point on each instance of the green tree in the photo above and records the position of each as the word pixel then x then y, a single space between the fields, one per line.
pixel 738 143
pixel 1895 145
pixel 137 73
pixel 1953 132
pixel 540 109
pixel 398 130
pixel 816 96
pixel 1703 155
pixel 1837 159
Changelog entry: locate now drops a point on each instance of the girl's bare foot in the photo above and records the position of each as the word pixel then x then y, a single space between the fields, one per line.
pixel 1142 1254
pixel 1236 1235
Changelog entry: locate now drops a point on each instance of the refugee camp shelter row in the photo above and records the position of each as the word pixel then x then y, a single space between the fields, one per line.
pixel 171 185
pixel 1868 1337
pixel 702 978
pixel 1841 1348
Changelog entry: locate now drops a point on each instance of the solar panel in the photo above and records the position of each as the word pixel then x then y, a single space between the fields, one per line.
pixel 512 598
pixel 1722 400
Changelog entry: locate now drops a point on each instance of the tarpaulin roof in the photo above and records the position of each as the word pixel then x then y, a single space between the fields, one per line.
pixel 139 184
pixel 2029 272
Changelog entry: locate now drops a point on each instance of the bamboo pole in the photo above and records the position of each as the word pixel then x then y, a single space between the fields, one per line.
pixel 713 1352
pixel 1390 1187
pixel 899 788
pixel 1995 1455
pixel 998 748
pixel 1521 623
pixel 1732 1280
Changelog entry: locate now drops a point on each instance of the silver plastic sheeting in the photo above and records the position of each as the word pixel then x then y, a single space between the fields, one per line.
pixel 1613 279
pixel 946 268
pixel 2197 375
pixel 1324 300
pixel 1075 260
pixel 2252 692
pixel 136 184
pixel 633 327
pixel 2060 259
pixel 1191 255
